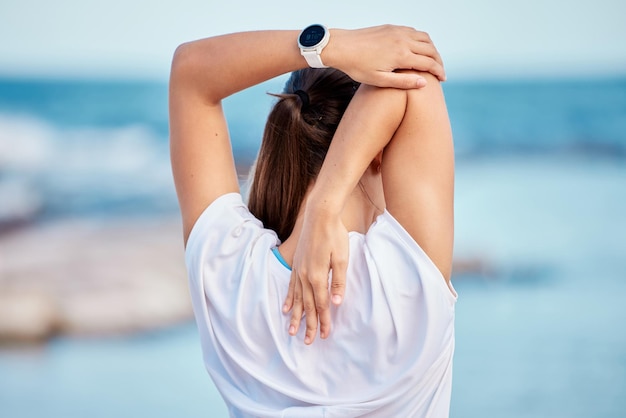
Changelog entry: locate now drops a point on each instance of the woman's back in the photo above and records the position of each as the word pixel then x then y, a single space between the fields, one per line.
pixel 390 353
pixel 390 350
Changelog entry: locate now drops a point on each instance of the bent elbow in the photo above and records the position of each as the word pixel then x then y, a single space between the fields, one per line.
pixel 193 70
pixel 182 60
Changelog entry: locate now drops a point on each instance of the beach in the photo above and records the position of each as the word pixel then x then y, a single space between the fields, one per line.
pixel 91 255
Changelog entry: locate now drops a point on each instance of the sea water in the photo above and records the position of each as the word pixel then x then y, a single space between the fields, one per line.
pixel 540 214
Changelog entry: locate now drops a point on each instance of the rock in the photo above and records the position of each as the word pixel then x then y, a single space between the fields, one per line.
pixel 26 316
pixel 92 278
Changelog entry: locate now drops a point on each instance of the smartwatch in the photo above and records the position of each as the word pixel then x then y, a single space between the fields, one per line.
pixel 311 42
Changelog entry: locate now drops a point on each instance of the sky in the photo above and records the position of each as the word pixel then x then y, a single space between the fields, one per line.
pixel 477 38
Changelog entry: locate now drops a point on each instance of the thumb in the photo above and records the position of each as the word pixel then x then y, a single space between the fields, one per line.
pixel 404 81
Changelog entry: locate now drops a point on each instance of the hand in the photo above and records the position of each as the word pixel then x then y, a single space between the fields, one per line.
pixel 371 55
pixel 322 246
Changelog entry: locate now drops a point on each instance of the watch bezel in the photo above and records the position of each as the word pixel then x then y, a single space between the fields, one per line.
pixel 322 42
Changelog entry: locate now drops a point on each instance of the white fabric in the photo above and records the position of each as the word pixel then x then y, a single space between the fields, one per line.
pixel 389 353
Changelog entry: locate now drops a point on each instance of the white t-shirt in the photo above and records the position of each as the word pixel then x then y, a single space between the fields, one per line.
pixel 390 350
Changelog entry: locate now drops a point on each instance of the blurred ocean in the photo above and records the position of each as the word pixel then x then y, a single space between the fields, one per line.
pixel 540 213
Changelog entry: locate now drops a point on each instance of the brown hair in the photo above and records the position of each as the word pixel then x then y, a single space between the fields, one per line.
pixel 297 135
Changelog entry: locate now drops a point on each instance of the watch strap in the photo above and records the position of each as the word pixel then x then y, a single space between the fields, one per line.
pixel 313 58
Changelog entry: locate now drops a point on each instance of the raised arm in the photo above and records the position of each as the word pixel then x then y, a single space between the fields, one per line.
pixel 418 181
pixel 206 71
pixel 418 174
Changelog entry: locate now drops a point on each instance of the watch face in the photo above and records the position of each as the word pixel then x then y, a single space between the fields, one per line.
pixel 312 35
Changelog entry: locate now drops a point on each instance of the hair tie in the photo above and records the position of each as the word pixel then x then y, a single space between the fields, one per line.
pixel 304 97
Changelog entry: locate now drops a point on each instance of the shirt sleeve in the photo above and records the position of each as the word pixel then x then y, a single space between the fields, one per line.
pixel 220 235
pixel 236 303
pixel 222 246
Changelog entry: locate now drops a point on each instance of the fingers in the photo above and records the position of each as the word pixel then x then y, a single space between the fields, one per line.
pixel 420 36
pixel 423 48
pixel 422 63
pixel 304 299
pixel 316 307
pixel 290 293
pixel 296 308
pixel 310 312
pixel 426 58
pixel 338 283
pixel 322 306
pixel 427 50
pixel 314 303
pixel 412 62
pixel 387 49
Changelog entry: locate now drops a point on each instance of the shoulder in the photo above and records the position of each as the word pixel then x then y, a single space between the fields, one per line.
pixel 224 231
pixel 224 210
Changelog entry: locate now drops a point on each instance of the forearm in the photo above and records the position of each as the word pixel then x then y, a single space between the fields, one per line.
pixel 220 66
pixel 366 128
pixel 217 67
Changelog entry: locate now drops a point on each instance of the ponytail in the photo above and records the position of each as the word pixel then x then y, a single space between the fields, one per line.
pixel 296 139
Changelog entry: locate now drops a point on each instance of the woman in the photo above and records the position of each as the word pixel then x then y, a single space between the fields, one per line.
pixel 357 180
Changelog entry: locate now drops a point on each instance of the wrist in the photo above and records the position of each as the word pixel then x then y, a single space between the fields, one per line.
pixel 331 54
pixel 323 205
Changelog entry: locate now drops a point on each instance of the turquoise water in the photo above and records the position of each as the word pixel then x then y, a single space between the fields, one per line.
pixel 541 333
pixel 157 375
pixel 540 204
